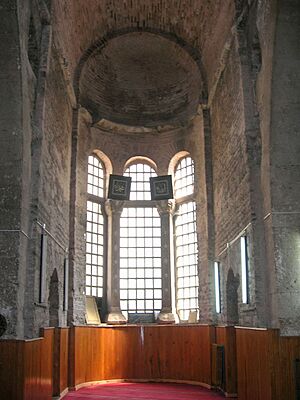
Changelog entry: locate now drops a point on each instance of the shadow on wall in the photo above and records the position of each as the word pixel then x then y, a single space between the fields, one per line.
pixel 232 284
pixel 53 300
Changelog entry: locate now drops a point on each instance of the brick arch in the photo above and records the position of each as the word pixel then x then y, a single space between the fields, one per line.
pixel 175 159
pixel 102 42
pixel 141 159
pixel 105 160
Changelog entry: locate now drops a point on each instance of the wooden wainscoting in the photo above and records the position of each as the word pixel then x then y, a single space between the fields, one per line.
pixel 11 369
pixel 60 361
pixel 225 335
pixel 155 352
pixel 26 368
pixel 254 363
pixel 266 364
pixel 286 351
pixel 178 352
pixel 103 353
pixel 38 362
pixel 258 362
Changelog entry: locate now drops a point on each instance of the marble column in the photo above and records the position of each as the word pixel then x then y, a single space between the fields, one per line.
pixel 114 209
pixel 165 209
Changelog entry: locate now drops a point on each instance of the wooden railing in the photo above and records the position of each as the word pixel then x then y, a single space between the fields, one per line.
pixel 259 364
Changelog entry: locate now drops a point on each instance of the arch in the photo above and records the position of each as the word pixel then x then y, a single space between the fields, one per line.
pixel 141 159
pixel 140 173
pixel 102 42
pixel 108 168
pixel 175 159
pixel 184 177
pixel 54 299
pixel 96 224
pixel 140 245
pixel 185 235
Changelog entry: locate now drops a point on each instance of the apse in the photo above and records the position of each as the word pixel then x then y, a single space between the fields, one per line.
pixel 141 79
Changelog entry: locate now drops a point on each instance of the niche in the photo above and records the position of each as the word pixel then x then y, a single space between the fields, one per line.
pixel 54 300
pixel 33 49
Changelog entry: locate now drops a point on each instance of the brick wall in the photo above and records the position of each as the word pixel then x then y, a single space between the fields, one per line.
pixel 230 171
pixel 231 190
pixel 54 189
pixel 194 22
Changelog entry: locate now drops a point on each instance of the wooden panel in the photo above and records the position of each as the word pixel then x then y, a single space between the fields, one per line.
pixel 104 353
pixel 287 350
pixel 178 352
pixel 38 361
pixel 266 364
pixel 11 369
pixel 254 364
pixel 265 361
pixel 136 352
pixel 60 360
pixel 123 343
pixel 26 368
pixel 218 365
pixel 226 336
pixel 71 363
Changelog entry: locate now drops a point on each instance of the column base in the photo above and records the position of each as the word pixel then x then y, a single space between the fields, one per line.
pixel 165 317
pixel 116 318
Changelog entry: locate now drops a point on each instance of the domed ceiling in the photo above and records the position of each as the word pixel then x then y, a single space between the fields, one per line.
pixel 141 79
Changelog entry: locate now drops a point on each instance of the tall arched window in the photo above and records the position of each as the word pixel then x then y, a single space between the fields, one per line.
pixel 95 227
pixel 140 247
pixel 185 239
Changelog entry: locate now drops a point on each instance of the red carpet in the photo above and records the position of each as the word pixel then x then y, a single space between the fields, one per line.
pixel 147 391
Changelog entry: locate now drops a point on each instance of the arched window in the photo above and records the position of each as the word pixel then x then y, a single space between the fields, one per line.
pixel 95 227
pixel 185 239
pixel 140 174
pixel 140 247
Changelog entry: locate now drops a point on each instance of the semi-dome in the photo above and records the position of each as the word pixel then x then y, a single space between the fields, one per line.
pixel 141 79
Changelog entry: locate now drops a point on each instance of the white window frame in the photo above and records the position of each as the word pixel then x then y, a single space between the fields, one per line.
pixel 99 201
pixel 185 199
pixel 141 200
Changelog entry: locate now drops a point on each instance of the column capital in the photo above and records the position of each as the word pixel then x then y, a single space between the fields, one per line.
pixel 114 206
pixel 165 207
